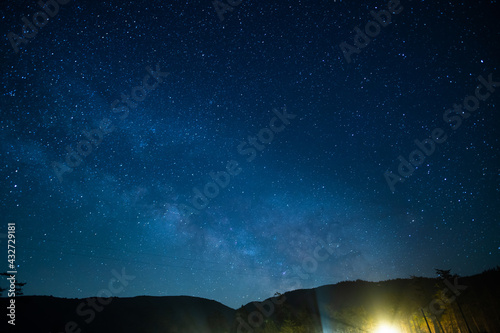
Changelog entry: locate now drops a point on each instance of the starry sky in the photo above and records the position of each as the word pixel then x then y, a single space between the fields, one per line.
pixel 115 119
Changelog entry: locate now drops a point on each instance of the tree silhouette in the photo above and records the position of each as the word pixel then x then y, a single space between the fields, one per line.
pixel 19 286
pixel 443 274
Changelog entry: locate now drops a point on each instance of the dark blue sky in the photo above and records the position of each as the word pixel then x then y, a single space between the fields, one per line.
pixel 284 184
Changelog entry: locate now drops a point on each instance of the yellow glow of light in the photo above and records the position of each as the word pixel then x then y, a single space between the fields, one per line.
pixel 385 328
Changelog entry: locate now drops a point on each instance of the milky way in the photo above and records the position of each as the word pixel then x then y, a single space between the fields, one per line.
pixel 235 151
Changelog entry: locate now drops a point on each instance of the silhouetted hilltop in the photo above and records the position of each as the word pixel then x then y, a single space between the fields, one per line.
pixel 449 303
pixel 137 314
pixel 361 306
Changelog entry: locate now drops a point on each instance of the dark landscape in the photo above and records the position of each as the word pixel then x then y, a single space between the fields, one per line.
pixel 469 304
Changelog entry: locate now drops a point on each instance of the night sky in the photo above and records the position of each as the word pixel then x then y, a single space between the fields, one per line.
pixel 117 117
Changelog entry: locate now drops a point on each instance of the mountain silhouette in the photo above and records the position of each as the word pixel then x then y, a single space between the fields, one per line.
pixel 465 304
